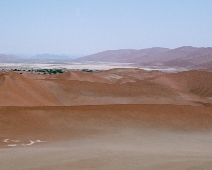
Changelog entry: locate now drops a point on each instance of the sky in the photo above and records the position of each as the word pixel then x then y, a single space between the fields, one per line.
pixel 91 26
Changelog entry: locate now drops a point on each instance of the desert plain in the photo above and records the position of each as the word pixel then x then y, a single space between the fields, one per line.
pixel 121 119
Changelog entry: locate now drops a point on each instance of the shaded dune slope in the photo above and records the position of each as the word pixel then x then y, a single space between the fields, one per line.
pixel 16 89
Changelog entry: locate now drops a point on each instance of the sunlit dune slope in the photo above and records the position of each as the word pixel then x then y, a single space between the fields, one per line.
pixel 195 82
pixel 122 86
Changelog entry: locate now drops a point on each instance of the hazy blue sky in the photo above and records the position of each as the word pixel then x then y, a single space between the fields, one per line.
pixel 90 26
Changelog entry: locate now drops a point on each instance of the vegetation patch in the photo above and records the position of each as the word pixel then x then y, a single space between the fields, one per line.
pixel 41 71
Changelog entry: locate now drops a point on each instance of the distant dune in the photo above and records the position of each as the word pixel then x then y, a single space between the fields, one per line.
pixel 116 86
pixel 18 90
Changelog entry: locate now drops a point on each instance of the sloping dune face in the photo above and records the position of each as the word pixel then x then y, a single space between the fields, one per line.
pixel 196 82
pixel 102 137
pixel 18 90
pixel 58 120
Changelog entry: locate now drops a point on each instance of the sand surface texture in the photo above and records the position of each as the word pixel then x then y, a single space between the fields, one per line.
pixel 117 119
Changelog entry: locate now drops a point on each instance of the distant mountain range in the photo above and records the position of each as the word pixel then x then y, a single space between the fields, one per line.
pixel 186 56
pixel 7 57
pixel 45 56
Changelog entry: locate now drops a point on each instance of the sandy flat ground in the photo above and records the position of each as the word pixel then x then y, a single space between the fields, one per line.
pixel 149 137
pixel 97 66
pixel 150 150
pixel 91 65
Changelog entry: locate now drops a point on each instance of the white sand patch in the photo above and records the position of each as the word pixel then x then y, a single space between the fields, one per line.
pixel 17 141
pixel 33 142
pixel 12 145
pixel 113 76
pixel 168 69
pixel 39 141
pixel 6 140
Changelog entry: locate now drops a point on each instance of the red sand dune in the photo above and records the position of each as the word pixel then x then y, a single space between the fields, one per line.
pixel 116 119
pixel 18 90
pixel 116 86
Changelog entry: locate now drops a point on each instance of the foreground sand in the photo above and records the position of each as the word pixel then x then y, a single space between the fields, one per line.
pixel 124 150
pixel 149 137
